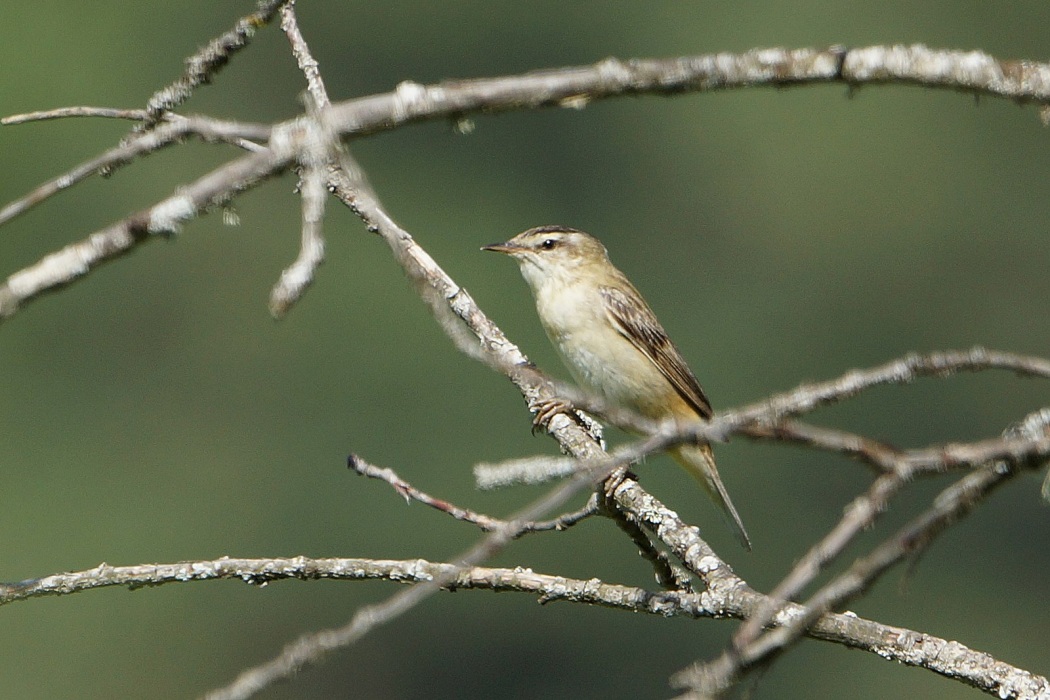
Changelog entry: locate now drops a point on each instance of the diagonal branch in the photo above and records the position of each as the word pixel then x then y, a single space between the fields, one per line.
pixel 669 574
pixel 202 66
pixel 241 134
pixel 351 186
pixel 77 259
pixel 486 523
pixel 752 646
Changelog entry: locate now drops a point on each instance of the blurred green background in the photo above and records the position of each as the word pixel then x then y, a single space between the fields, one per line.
pixel 155 412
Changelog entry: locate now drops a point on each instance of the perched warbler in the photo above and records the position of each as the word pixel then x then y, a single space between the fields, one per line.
pixel 612 343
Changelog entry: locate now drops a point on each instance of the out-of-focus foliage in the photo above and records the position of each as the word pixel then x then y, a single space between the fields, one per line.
pixel 154 411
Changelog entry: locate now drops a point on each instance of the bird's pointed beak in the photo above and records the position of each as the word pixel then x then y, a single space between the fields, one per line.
pixel 508 248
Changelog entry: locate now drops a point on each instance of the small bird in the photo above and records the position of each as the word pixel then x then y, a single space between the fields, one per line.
pixel 612 343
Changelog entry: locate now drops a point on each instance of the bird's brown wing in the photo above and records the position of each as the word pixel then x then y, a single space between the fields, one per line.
pixel 637 322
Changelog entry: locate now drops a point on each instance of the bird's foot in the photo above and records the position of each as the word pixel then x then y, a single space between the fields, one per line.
pixel 546 409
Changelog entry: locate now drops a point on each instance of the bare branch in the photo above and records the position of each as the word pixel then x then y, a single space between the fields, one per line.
pixel 683 541
pixel 576 86
pixel 240 134
pixel 207 129
pixel 202 66
pixel 166 217
pixel 878 455
pixel 314 647
pixel 751 646
pixel 809 397
pixel 300 275
pixel 83 111
pixel 527 470
pixel 893 643
pixel 294 281
pixel 669 574
pixel 484 522
pixel 303 57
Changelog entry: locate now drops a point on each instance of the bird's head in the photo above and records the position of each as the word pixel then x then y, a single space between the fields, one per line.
pixel 549 254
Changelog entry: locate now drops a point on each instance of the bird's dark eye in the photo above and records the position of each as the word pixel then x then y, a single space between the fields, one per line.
pixel 549 243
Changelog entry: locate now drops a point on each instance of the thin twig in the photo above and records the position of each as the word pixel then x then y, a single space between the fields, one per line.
pixel 312 648
pixel 242 134
pixel 166 217
pixel 202 66
pixel 303 57
pixel 809 397
pixel 879 455
pixel 297 277
pixel 486 523
pixel 79 111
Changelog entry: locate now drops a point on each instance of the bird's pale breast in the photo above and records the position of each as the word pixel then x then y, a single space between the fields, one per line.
pixel 599 357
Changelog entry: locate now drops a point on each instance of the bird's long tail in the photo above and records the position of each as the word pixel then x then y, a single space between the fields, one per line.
pixel 700 462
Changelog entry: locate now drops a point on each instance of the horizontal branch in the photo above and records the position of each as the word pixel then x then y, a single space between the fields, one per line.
pixel 263 571
pixel 67 112
pixel 572 87
pixel 891 643
pixel 576 86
